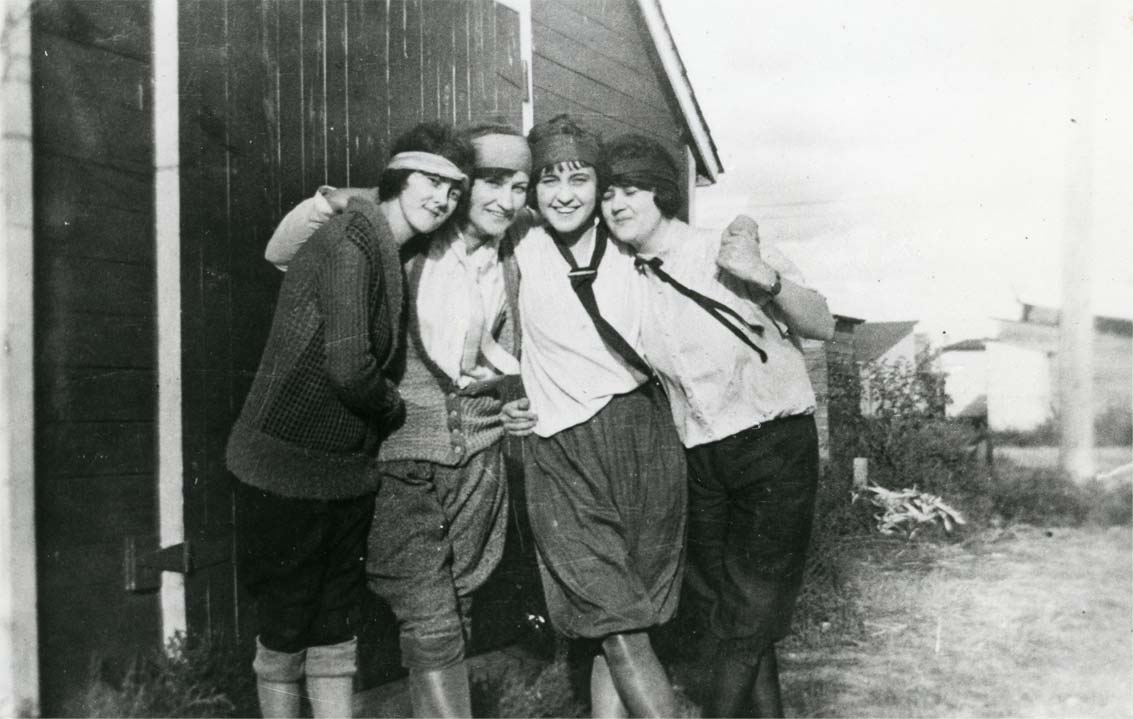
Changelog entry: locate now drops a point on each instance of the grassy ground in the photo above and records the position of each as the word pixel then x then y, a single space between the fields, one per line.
pixel 1022 622
pixel 1009 622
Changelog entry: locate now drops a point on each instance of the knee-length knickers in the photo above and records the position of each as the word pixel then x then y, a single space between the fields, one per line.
pixel 607 502
pixel 438 534
pixel 751 507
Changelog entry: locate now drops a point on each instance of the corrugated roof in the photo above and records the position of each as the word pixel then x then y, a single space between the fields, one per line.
pixel 873 339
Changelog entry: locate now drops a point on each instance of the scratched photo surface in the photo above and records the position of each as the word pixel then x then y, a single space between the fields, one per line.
pixel 945 184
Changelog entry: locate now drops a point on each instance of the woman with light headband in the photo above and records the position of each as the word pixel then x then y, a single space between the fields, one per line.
pixel 605 474
pixel 441 511
pixel 722 328
pixel 319 407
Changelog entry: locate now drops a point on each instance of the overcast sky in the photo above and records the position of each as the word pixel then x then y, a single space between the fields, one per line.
pixel 913 158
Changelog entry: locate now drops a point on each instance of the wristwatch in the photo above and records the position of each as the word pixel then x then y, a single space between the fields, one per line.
pixel 778 286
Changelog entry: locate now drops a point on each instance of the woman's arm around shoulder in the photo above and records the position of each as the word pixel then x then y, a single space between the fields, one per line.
pixel 772 274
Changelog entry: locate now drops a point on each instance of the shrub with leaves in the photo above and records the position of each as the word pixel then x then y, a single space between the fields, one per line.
pixel 906 436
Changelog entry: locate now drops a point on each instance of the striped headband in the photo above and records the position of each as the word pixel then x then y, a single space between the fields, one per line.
pixel 651 171
pixel 553 149
pixel 503 152
pixel 429 163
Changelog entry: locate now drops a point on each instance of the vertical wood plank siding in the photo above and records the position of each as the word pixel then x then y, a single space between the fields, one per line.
pixel 594 59
pixel 277 98
pixel 95 352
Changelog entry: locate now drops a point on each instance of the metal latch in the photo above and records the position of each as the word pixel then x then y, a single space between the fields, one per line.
pixel 143 566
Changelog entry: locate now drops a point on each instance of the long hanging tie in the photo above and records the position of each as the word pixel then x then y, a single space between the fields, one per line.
pixel 718 310
pixel 582 281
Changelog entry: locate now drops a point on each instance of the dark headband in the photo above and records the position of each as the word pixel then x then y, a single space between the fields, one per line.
pixel 553 149
pixel 642 170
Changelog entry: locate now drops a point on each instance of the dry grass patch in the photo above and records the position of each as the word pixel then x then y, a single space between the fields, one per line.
pixel 1026 622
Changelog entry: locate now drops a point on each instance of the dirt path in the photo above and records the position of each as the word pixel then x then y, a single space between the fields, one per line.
pixel 1028 623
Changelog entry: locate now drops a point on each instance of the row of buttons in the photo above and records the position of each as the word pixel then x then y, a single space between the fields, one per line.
pixel 452 402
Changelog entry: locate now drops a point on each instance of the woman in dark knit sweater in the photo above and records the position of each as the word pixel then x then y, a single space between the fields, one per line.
pixel 319 406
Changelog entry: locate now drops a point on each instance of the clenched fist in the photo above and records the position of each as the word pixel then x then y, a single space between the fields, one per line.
pixel 740 255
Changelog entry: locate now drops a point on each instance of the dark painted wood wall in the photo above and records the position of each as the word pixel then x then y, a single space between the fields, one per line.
pixel 95 347
pixel 277 98
pixel 594 59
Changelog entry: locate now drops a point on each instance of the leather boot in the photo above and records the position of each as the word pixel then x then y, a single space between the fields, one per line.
pixel 640 679
pixel 604 700
pixel 277 681
pixel 330 679
pixel 440 692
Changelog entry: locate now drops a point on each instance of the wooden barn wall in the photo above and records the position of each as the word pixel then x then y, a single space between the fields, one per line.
pixel 95 349
pixel 277 98
pixel 595 60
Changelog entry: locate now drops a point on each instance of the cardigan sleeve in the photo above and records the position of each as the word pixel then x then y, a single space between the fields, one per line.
pixel 349 281
pixel 296 227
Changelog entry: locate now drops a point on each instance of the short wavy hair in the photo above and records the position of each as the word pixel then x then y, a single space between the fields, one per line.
pixel 436 137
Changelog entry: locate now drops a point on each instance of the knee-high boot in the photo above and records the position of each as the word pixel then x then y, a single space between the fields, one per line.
pixel 640 679
pixel 440 692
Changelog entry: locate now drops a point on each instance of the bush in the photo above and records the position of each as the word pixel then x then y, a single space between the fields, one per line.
pixel 1048 497
pixel 1113 427
pixel 1045 435
pixel 188 679
pixel 906 437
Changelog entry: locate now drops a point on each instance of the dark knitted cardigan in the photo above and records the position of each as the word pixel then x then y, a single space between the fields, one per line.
pixel 321 401
pixel 445 424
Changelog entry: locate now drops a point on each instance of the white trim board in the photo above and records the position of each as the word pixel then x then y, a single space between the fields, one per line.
pixel 167 236
pixel 19 632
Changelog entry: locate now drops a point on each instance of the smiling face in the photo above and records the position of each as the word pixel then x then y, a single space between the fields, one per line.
pixel 494 202
pixel 567 196
pixel 427 200
pixel 631 214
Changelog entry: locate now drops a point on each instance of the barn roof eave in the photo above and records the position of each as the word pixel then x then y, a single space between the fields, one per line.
pixel 708 163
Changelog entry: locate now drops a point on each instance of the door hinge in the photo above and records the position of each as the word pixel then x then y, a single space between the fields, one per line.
pixel 143 565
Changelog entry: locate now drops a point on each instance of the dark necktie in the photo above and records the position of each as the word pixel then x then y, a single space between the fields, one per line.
pixel 582 281
pixel 718 310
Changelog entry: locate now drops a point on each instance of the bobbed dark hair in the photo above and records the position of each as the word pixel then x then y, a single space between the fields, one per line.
pixel 436 137
pixel 667 196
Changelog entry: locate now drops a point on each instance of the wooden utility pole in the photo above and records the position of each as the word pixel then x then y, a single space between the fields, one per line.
pixel 1076 321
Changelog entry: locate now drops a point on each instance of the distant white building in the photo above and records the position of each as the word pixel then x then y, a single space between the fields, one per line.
pixel 1009 381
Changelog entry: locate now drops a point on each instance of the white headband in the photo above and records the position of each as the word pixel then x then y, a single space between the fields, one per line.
pixel 427 162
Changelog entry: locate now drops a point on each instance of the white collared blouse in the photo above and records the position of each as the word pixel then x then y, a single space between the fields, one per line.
pixel 717 385
pixel 568 371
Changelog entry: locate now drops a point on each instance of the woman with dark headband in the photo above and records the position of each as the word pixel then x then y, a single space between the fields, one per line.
pixel 441 512
pixel 722 326
pixel 605 473
pixel 321 403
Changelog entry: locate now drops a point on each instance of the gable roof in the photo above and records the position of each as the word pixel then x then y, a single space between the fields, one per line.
pixel 708 165
pixel 966 346
pixel 873 339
